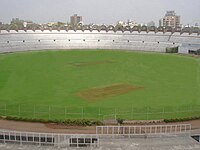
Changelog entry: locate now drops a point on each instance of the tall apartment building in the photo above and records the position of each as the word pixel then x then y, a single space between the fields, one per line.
pixel 170 20
pixel 74 20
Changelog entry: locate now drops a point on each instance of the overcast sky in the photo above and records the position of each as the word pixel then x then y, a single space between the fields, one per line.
pixel 99 11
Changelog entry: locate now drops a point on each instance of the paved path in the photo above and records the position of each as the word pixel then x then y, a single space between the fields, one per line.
pixel 53 128
pixel 44 127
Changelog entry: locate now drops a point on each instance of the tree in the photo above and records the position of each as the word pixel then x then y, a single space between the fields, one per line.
pixel 120 121
pixel 198 52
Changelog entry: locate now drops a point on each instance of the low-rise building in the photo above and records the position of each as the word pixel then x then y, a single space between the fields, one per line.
pixel 75 19
pixel 170 20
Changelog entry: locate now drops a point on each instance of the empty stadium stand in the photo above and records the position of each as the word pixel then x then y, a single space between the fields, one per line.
pixel 103 37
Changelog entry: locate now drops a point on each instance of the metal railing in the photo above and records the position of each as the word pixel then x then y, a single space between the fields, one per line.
pixel 92 140
pixel 144 130
pixel 49 139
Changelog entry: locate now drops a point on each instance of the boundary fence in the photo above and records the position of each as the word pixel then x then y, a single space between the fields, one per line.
pixel 99 113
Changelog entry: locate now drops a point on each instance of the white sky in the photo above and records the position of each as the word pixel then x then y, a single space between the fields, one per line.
pixel 99 11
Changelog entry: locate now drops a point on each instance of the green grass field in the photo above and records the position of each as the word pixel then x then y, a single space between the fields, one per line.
pixel 47 84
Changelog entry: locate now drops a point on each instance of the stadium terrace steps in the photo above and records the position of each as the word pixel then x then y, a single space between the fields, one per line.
pixel 21 40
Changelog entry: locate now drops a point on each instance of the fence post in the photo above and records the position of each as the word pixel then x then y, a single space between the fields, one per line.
pixel 177 111
pixel 163 113
pixel 99 112
pixel 82 113
pixel 19 110
pixel 58 141
pixel 49 112
pixel 5 110
pixel 115 113
pixel 20 136
pixel 34 111
pixel 4 138
pixel 132 112
pixel 190 108
pixel 65 112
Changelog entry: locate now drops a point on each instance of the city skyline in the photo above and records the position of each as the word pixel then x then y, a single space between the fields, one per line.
pixel 99 11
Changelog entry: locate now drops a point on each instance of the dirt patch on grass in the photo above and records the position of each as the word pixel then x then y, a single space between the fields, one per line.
pixel 107 91
pixel 82 64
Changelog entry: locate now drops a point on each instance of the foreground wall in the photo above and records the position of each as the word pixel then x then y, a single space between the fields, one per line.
pixel 145 41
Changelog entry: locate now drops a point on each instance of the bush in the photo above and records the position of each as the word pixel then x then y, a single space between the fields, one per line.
pixel 181 119
pixel 198 52
pixel 172 49
pixel 69 122
pixel 81 122
pixel 27 119
pixel 120 121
